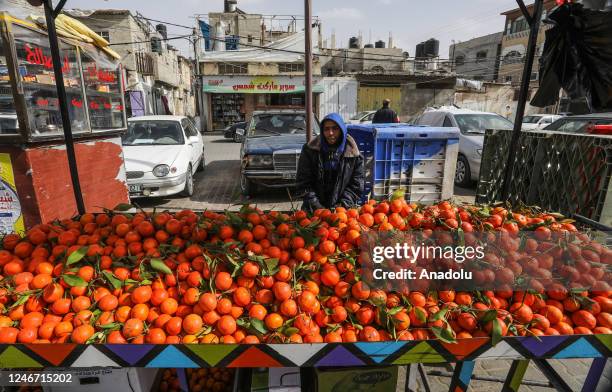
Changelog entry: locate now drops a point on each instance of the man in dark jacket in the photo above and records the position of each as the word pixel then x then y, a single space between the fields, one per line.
pixel 330 170
pixel 385 115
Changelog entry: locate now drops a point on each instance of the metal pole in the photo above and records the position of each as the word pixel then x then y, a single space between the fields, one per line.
pixel 520 110
pixel 308 68
pixel 453 57
pixel 196 41
pixel 61 95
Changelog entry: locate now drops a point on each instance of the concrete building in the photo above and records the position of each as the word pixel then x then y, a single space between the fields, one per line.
pixel 477 58
pixel 494 97
pixel 184 102
pixel 410 94
pixel 20 8
pixel 514 45
pixel 236 83
pixel 151 67
pixel 234 28
pixel 352 60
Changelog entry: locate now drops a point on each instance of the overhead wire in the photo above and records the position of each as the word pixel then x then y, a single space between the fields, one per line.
pixel 400 58
pixel 377 58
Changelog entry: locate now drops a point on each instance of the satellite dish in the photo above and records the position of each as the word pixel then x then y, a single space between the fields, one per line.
pixel 35 3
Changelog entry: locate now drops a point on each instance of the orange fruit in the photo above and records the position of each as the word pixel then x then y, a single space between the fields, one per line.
pixel 226 325
pixel 192 324
pixel 82 333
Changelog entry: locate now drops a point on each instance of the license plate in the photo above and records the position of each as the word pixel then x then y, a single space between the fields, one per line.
pixel 135 188
pixel 288 176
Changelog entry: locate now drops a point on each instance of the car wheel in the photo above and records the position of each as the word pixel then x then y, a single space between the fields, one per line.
pixel 247 187
pixel 188 191
pixel 462 173
pixel 202 164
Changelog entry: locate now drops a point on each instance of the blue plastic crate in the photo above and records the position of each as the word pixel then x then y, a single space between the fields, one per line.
pixel 401 155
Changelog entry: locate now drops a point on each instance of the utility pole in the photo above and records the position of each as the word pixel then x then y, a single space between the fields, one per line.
pixel 534 24
pixel 197 83
pixel 50 15
pixel 453 57
pixel 308 67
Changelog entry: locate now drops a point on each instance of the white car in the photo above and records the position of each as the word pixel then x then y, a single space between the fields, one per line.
pixel 362 117
pixel 472 125
pixel 161 154
pixel 536 122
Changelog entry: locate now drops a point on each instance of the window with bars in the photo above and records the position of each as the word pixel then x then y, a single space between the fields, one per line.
pixel 233 68
pixel 290 67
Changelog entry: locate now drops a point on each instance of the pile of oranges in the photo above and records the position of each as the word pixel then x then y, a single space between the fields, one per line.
pixel 169 382
pixel 268 277
pixel 212 379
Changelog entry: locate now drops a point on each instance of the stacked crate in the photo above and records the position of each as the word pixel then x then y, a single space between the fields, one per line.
pixel 418 160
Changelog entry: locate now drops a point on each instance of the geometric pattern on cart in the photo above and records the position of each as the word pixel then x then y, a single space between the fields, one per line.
pixel 15 356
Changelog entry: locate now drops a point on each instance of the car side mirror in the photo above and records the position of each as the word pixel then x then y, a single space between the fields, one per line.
pixel 193 139
pixel 240 133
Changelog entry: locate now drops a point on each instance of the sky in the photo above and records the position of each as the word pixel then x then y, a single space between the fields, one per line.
pixel 410 21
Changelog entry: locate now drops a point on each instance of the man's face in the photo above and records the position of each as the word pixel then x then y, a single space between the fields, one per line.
pixel 331 132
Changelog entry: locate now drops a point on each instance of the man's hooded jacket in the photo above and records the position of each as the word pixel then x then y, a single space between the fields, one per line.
pixel 328 176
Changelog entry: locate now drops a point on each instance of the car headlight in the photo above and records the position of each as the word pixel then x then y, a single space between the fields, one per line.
pixel 259 161
pixel 161 170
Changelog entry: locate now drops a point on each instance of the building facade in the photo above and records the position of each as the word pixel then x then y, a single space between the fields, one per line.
pixel 353 60
pixel 478 58
pixel 236 83
pixel 514 45
pixel 150 66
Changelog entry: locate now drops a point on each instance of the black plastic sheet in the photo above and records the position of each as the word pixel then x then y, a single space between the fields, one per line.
pixel 577 57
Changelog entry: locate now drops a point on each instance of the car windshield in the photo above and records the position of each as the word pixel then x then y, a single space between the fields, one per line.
pixel 576 125
pixel 359 115
pixel 157 132
pixel 531 119
pixel 479 123
pixel 279 124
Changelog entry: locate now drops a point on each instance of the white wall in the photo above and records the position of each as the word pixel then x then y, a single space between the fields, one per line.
pixel 339 96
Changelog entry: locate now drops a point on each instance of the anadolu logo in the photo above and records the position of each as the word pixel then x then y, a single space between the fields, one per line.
pixel 372 377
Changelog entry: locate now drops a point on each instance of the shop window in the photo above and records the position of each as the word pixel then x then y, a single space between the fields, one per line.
pixel 36 74
pixel 233 68
pixel 102 86
pixel 290 67
pixel 8 115
pixel 227 109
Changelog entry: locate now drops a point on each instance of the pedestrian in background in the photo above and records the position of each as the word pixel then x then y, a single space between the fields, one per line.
pixel 509 112
pixel 385 115
pixel 330 170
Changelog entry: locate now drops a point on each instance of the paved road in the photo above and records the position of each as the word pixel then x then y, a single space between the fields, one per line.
pixel 218 188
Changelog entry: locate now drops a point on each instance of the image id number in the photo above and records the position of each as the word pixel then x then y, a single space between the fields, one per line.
pixel 39 378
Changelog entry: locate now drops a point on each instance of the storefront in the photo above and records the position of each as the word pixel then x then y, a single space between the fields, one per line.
pixel 31 133
pixel 233 99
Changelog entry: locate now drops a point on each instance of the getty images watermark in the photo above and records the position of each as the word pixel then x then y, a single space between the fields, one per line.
pixel 444 260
